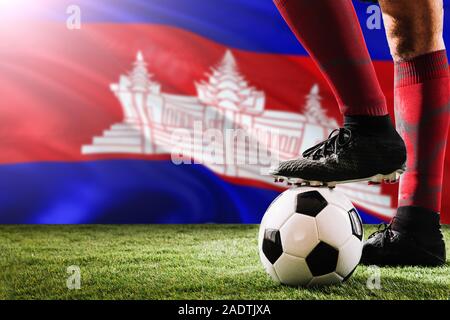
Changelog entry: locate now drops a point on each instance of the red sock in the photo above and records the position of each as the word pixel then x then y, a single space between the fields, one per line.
pixel 329 30
pixel 422 101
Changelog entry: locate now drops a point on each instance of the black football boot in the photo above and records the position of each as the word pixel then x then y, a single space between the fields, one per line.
pixel 412 239
pixel 365 149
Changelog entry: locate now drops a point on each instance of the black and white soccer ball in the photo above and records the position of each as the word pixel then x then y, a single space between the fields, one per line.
pixel 310 236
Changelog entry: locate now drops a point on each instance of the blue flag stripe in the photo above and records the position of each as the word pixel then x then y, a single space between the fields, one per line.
pixel 253 25
pixel 121 191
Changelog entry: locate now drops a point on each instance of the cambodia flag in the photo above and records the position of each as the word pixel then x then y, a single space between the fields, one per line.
pixel 92 94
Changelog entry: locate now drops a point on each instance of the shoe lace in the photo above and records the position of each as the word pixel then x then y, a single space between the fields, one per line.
pixel 337 139
pixel 386 231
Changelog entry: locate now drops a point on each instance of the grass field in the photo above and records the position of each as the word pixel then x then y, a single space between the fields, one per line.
pixel 175 262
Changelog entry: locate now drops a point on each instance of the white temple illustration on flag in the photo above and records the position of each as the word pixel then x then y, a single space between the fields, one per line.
pixel 224 101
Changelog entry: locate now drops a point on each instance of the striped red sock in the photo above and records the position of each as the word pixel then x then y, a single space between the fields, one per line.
pixel 422 99
pixel 329 30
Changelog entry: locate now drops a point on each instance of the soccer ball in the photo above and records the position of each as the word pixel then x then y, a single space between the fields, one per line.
pixel 310 237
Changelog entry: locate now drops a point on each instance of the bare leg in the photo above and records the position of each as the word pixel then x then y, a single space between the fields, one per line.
pixel 413 27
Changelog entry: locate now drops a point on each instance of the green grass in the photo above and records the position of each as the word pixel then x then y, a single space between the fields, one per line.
pixel 175 262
